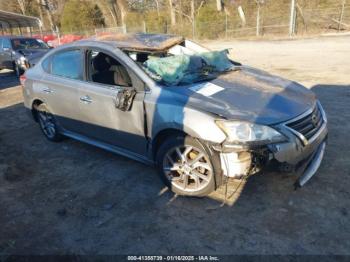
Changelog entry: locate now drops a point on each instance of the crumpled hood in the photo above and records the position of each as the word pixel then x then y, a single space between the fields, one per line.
pixel 248 94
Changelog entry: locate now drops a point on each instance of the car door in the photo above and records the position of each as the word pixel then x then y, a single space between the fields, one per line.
pixel 60 84
pixel 105 120
pixel 6 54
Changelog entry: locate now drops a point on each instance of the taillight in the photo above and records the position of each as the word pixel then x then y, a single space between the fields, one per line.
pixel 22 79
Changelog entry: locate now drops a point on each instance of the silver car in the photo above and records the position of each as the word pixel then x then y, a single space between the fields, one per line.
pixel 167 101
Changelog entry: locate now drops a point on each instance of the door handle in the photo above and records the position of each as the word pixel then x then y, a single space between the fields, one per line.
pixel 47 90
pixel 86 99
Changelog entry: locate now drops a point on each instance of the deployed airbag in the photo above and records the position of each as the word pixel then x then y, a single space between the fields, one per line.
pixel 186 69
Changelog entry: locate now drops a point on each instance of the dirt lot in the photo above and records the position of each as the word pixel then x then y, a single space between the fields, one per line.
pixel 73 198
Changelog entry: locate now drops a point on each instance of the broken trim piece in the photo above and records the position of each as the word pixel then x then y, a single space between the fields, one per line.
pixel 312 167
pixel 124 99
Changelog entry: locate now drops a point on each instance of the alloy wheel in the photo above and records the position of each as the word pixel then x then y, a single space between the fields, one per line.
pixel 187 168
pixel 47 123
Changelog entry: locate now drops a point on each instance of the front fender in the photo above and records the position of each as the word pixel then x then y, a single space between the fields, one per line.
pixel 190 121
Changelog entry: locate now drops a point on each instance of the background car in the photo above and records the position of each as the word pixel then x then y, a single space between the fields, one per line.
pixel 16 52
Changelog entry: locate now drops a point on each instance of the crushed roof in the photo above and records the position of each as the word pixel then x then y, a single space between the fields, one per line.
pixel 142 42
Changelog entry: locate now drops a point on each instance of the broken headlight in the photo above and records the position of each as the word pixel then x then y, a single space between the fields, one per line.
pixel 244 132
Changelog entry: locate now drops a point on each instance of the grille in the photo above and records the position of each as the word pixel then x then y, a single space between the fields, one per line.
pixel 309 124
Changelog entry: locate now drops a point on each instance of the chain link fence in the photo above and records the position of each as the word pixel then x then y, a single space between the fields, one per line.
pixel 264 21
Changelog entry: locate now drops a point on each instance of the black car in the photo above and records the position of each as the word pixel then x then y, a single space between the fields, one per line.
pixel 18 53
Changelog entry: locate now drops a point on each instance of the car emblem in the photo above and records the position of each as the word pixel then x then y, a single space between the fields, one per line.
pixel 314 120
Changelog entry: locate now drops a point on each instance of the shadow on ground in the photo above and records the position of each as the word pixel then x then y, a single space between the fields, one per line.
pixel 8 79
pixel 73 198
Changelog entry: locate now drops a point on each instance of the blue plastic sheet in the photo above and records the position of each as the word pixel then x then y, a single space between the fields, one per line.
pixel 185 69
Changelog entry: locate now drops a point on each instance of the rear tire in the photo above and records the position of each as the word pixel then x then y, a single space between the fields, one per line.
pixel 47 123
pixel 187 166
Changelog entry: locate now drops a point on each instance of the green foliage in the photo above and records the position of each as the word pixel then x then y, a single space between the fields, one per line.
pixel 134 20
pixel 155 23
pixel 81 15
pixel 210 23
pixel 97 16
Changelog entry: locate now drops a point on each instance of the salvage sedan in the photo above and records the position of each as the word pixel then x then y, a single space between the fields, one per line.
pixel 167 101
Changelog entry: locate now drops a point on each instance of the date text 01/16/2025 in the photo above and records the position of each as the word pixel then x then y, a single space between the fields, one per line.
pixel 173 258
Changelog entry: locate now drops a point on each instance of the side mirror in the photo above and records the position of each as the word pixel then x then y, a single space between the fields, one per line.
pixel 125 98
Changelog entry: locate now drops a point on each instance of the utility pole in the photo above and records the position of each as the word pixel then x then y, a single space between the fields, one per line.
pixel 242 15
pixel 341 15
pixel 193 20
pixel 172 13
pixel 258 20
pixel 226 25
pixel 292 17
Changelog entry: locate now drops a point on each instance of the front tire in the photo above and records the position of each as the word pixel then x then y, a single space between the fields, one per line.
pixel 17 70
pixel 186 166
pixel 47 123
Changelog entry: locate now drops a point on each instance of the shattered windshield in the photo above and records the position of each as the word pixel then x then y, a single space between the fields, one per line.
pixel 188 68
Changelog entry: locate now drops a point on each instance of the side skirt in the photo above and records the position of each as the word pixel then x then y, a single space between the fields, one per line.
pixel 108 147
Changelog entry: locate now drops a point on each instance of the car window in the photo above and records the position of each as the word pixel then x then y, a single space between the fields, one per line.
pixel 68 64
pixel 0 43
pixel 28 43
pixel 104 69
pixel 6 43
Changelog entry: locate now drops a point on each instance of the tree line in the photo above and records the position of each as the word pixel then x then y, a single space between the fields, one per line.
pixel 156 15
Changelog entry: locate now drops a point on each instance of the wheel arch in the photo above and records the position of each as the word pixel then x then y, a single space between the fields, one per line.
pixel 162 135
pixel 35 103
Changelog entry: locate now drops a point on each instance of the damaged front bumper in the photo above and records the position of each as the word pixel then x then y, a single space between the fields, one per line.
pixel 312 166
pixel 297 155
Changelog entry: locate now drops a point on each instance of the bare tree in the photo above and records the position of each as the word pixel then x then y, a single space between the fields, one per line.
pixel 21 5
pixel 122 6
pixel 40 9
pixel 44 4
pixel 172 12
pixel 157 5
pixel 108 11
pixel 113 14
pixel 242 15
pixel 219 5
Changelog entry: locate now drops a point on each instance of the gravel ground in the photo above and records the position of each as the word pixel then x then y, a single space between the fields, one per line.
pixel 71 198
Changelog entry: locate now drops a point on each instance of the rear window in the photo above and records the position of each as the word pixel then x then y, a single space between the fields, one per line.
pixel 68 64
